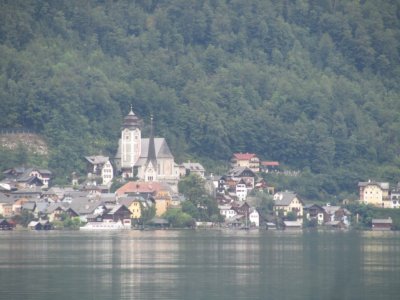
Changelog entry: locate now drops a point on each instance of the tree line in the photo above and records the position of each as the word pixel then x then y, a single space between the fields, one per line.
pixel 313 84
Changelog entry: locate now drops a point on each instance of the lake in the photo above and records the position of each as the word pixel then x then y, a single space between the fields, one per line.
pixel 203 264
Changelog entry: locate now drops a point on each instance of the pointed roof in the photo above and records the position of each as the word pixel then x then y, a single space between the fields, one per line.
pixel 132 121
pixel 151 156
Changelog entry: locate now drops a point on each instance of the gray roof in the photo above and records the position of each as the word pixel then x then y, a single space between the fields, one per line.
pixel 5 199
pixel 97 159
pixel 29 206
pixel 292 224
pixel 84 206
pixel 161 149
pixel 54 206
pixel 41 206
pixel 382 185
pixel 116 208
pixel 287 198
pixel 237 171
pixel 382 221
pixel 193 166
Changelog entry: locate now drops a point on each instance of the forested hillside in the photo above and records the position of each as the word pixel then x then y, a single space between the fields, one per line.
pixel 313 84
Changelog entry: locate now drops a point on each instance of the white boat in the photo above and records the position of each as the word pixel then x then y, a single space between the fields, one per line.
pixel 107 225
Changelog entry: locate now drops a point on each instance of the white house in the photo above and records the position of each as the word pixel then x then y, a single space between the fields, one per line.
pixel 100 167
pixel 241 191
pixel 254 217
pixel 227 211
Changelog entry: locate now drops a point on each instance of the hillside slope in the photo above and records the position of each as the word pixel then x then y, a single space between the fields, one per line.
pixel 313 84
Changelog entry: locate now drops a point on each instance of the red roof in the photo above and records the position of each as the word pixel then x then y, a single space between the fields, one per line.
pixel 140 187
pixel 244 156
pixel 270 163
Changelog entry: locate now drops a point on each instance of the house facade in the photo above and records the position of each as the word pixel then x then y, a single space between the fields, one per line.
pixel 191 168
pixel 285 202
pixel 375 193
pixel 100 167
pixel 248 160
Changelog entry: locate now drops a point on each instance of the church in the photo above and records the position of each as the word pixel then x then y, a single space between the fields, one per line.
pixel 148 159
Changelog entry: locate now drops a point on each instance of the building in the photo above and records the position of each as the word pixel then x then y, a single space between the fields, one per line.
pixel 100 169
pixel 285 202
pixel 315 212
pixel 148 159
pixel 29 176
pixel 375 193
pixel 395 197
pixel 244 174
pixel 382 224
pixel 336 214
pixel 192 168
pixel 248 160
pixel 269 166
pixel 241 191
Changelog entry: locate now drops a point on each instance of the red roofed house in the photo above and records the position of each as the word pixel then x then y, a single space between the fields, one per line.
pixel 139 187
pixel 248 160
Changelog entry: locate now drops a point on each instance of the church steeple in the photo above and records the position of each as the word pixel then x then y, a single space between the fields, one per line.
pixel 151 157
pixel 131 121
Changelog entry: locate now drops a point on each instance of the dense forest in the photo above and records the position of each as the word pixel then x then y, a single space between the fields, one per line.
pixel 313 84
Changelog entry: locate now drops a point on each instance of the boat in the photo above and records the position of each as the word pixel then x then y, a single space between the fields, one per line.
pixel 107 225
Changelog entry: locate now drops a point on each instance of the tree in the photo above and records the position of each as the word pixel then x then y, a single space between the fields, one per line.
pixel 177 218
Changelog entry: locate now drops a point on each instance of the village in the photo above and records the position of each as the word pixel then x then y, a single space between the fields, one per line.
pixel 148 188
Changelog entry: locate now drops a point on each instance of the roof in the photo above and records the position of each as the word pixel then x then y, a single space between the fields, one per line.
pixel 84 206
pixel 238 171
pixel 132 121
pixel 41 206
pixel 193 166
pixel 308 206
pixel 243 156
pixel 116 208
pixel 382 221
pixel 292 223
pixel 142 187
pixel 287 198
pixel 54 206
pixel 5 199
pixel 97 159
pixel 382 185
pixel 270 163
pixel 29 205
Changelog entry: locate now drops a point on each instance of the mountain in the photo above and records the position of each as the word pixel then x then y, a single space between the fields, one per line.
pixel 313 84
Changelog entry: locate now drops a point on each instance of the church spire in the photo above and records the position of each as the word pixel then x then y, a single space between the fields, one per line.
pixel 151 157
pixel 131 111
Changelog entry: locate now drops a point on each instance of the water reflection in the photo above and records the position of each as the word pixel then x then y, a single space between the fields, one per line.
pixel 200 265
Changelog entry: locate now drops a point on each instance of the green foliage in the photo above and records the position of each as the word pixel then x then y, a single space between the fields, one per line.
pixel 313 84
pixel 24 218
pixel 367 212
pixel 147 213
pixel 198 205
pixel 266 206
pixel 291 216
pixel 178 219
pixel 71 223
pixel 193 188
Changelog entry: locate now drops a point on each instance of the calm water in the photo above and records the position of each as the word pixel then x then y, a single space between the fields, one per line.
pixel 200 265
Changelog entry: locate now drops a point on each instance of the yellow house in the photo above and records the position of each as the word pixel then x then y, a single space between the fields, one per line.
pixel 134 206
pixel 375 193
pixel 286 202
pixel 163 201
pixel 248 160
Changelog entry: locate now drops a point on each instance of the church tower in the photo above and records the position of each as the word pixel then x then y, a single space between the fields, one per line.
pixel 150 167
pixel 130 146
